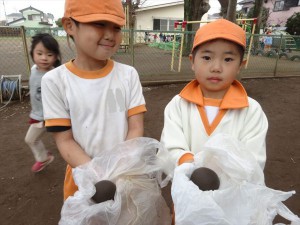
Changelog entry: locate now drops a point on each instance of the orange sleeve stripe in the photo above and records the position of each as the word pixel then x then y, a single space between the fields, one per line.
pixel 58 122
pixel 69 185
pixel 137 110
pixel 186 157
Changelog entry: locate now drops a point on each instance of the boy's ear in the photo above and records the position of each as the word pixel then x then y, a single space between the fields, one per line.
pixel 244 62
pixel 191 60
pixel 68 25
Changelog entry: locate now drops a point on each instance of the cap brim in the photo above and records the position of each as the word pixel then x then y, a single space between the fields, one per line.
pixel 211 38
pixel 100 17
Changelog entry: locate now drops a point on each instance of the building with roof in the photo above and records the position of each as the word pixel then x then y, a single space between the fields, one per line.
pixel 13 16
pixel 279 10
pixel 246 5
pixel 162 16
pixel 30 17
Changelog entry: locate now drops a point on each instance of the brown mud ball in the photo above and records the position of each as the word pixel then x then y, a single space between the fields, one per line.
pixel 105 190
pixel 206 179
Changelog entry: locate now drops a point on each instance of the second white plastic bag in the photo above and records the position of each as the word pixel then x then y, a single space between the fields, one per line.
pixel 133 167
pixel 242 198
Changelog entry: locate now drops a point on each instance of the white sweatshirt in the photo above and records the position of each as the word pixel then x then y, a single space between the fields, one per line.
pixel 187 128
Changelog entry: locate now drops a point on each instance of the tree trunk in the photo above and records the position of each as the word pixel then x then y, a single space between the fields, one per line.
pixel 193 11
pixel 224 7
pixel 257 13
pixel 231 12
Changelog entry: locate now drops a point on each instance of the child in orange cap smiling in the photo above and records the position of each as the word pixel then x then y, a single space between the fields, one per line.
pixel 92 103
pixel 215 102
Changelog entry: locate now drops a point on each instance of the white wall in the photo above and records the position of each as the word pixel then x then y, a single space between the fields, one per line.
pixel 144 18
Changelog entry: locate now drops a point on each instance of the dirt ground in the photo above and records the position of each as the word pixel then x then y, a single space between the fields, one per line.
pixel 35 199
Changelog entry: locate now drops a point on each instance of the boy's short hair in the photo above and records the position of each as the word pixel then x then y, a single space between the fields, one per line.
pixel 95 10
pixel 220 29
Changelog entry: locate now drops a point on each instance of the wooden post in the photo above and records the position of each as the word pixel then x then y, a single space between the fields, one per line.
pixel 23 35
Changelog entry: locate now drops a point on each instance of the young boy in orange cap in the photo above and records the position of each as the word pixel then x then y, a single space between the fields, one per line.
pixel 92 103
pixel 215 102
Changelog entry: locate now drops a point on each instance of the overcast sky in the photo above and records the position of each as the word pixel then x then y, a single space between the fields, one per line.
pixel 56 7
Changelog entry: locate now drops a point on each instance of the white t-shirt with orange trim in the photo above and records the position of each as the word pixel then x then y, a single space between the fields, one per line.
pixel 96 104
pixel 189 121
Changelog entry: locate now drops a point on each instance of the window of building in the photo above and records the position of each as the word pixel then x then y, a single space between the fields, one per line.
pixel 164 24
pixel 29 17
pixel 279 5
pixel 156 24
pixel 36 17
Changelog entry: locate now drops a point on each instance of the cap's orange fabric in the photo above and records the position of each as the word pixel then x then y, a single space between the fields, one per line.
pixel 95 10
pixel 223 29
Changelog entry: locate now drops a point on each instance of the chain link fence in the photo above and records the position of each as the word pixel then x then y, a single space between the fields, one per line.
pixel 156 55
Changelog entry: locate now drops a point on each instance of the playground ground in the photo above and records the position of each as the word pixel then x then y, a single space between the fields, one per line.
pixel 35 199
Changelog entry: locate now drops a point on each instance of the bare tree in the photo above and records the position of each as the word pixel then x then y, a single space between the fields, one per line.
pixel 224 7
pixel 228 9
pixel 193 11
pixel 257 13
pixel 231 11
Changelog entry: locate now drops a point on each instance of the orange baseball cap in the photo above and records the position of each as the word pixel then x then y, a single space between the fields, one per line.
pixel 86 11
pixel 223 29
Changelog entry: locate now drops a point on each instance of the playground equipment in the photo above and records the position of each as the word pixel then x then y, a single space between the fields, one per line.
pixel 245 24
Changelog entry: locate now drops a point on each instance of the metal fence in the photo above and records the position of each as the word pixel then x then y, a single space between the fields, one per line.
pixel 155 54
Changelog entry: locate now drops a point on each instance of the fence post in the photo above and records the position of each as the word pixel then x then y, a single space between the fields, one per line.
pixel 131 44
pixel 277 58
pixel 181 49
pixel 23 35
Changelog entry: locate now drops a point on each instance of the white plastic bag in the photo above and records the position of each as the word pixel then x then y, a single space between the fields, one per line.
pixel 133 167
pixel 242 198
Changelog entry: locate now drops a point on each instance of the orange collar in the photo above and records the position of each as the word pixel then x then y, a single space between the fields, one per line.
pixel 90 74
pixel 235 98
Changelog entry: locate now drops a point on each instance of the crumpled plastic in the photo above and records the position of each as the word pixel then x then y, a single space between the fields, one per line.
pixel 242 198
pixel 134 168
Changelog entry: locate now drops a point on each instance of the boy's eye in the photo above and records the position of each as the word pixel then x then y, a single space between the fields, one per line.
pixel 99 24
pixel 206 57
pixel 117 28
pixel 228 59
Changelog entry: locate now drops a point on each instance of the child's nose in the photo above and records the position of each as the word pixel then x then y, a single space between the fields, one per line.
pixel 216 66
pixel 44 57
pixel 108 34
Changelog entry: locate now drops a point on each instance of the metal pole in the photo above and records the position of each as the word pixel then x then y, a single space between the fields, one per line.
pixel 23 35
pixel 131 45
pixel 181 48
pixel 277 58
pixel 5 12
pixel 250 45
pixel 173 52
pixel 208 21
